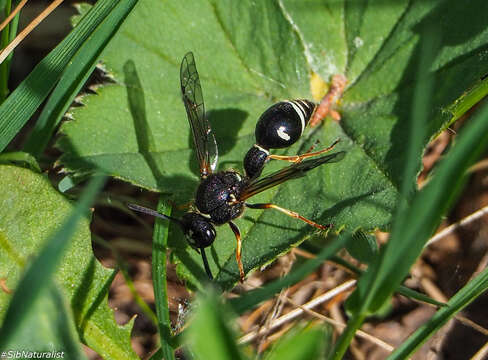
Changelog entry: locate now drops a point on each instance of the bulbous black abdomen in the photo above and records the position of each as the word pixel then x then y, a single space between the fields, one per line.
pixel 282 124
pixel 217 196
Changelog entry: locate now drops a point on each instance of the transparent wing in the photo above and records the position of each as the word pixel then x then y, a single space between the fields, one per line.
pixel 203 138
pixel 290 172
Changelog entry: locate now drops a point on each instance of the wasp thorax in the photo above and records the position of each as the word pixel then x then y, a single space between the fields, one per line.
pixel 218 196
pixel 199 232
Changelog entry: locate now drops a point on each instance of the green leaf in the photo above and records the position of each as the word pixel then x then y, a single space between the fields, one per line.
pixel 302 342
pixel 48 327
pixel 44 265
pixel 30 211
pixel 249 55
pixel 364 247
pixel 209 335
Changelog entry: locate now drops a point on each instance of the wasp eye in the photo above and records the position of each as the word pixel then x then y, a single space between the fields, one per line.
pixel 199 232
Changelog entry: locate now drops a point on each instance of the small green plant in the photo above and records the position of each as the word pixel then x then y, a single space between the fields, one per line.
pixel 411 73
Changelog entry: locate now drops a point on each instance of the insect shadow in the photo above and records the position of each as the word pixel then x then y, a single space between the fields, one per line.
pixel 137 107
pixel 226 124
pixel 145 139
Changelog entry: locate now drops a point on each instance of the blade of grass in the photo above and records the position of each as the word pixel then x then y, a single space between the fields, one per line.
pixel 3 43
pixel 20 157
pixel 209 335
pixel 302 342
pixel 254 297
pixel 17 109
pixel 122 266
pixel 413 225
pixel 38 275
pixel 159 255
pixel 402 290
pixel 371 281
pixel 469 99
pixel 48 327
pixel 423 218
pixel 463 297
pixel 74 77
pixel 12 33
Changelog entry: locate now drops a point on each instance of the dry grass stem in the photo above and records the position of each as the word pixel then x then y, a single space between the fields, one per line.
pixel 33 24
pixel 451 228
pixel 341 325
pixel 297 312
pixel 481 353
pixel 12 14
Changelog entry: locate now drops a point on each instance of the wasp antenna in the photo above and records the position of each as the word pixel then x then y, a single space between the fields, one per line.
pixel 205 263
pixel 151 212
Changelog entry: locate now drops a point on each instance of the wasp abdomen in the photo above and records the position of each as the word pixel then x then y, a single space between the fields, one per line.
pixel 282 124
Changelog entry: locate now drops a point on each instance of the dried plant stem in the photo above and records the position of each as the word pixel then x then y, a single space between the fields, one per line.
pixel 450 229
pixel 480 165
pixel 10 47
pixel 306 308
pixel 481 353
pixel 470 323
pixel 12 14
pixel 341 325
pixel 297 312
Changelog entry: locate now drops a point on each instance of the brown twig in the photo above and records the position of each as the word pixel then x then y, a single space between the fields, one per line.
pixel 450 229
pixel 12 14
pixel 481 353
pixel 33 24
pixel 297 312
pixel 341 326
pixel 337 87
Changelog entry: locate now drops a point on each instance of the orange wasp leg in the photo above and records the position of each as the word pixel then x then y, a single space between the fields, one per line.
pixel 309 153
pixel 289 213
pixel 237 233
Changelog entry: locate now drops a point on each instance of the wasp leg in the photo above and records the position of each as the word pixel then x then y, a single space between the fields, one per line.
pixel 289 213
pixel 205 263
pixel 237 233
pixel 337 86
pixel 309 153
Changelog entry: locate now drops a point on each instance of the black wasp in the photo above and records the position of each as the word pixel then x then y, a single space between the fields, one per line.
pixel 221 196
pixel 280 126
